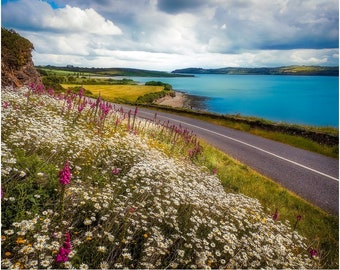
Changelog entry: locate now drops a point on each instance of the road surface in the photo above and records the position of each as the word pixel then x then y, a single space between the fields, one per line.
pixel 312 176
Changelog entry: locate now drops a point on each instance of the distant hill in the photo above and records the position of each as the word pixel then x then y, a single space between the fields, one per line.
pixel 116 71
pixel 288 70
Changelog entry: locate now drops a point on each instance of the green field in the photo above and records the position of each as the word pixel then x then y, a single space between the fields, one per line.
pixel 123 93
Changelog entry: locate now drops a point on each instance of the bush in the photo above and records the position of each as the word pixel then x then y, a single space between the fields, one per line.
pixel 167 87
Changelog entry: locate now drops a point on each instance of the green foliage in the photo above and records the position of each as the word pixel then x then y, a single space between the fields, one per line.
pixel 167 87
pixel 53 82
pixel 151 97
pixel 15 50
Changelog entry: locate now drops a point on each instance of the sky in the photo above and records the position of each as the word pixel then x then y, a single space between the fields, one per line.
pixel 171 34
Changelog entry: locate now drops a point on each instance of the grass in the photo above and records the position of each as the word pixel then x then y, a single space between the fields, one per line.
pixel 119 93
pixel 136 198
pixel 293 140
pixel 318 226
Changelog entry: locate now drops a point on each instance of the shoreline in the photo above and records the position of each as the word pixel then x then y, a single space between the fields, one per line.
pixel 180 100
pixel 183 101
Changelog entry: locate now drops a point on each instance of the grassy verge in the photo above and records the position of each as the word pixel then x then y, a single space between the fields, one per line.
pixel 321 229
pixel 268 129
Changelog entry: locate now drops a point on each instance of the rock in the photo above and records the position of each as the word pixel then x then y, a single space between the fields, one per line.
pixel 17 68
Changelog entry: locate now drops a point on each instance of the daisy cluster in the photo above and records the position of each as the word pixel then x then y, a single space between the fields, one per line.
pixel 126 203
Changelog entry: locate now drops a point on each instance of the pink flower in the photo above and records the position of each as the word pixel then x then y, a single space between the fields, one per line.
pixel 81 92
pixel 65 250
pixel 116 171
pixel 214 171
pixel 6 104
pixel 313 253
pixel 65 175
pixel 276 215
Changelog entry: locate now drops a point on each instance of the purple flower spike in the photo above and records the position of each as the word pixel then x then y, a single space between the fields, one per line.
pixel 65 175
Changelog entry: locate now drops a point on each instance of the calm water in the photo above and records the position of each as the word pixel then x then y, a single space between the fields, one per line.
pixel 311 100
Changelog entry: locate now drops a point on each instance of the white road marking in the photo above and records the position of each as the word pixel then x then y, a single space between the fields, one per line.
pixel 257 148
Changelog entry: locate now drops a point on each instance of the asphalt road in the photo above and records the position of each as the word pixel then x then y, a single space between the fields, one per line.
pixel 312 176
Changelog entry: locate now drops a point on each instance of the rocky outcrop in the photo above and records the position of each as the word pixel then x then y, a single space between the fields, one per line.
pixel 17 68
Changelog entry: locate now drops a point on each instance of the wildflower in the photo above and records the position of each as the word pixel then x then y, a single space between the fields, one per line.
pixel 8 254
pixel 276 215
pixel 65 250
pixel 45 263
pixel 8 232
pixel 127 256
pixel 102 249
pixel 20 240
pixel 104 265
pixel 116 171
pixel 6 263
pixel 65 175
pixel 6 104
pixel 298 218
pixel 87 221
pixel 84 266
pixel 214 171
pixel 313 253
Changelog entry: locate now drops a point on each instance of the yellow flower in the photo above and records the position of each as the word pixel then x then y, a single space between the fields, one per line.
pixel 3 237
pixel 145 235
pixel 88 238
pixel 20 240
pixel 8 254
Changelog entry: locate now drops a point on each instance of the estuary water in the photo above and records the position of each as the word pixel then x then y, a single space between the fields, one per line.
pixel 309 100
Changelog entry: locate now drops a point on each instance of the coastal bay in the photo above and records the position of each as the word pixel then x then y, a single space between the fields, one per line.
pixel 307 100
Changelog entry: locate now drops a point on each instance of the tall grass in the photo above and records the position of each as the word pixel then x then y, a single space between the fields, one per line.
pixel 84 186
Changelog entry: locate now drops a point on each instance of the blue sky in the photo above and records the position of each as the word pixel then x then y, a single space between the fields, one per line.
pixel 170 34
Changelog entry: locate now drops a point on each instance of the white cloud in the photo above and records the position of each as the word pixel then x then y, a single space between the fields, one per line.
pixel 74 19
pixel 39 16
pixel 213 33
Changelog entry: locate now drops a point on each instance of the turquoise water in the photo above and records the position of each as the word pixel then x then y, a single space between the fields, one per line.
pixel 310 100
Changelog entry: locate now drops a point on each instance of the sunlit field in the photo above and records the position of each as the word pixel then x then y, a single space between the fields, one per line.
pixel 127 93
pixel 86 184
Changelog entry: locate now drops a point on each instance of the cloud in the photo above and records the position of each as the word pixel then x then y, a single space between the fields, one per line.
pixel 74 19
pixel 170 34
pixel 40 16
pixel 178 6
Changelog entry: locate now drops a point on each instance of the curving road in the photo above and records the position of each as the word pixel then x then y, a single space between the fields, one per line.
pixel 312 176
